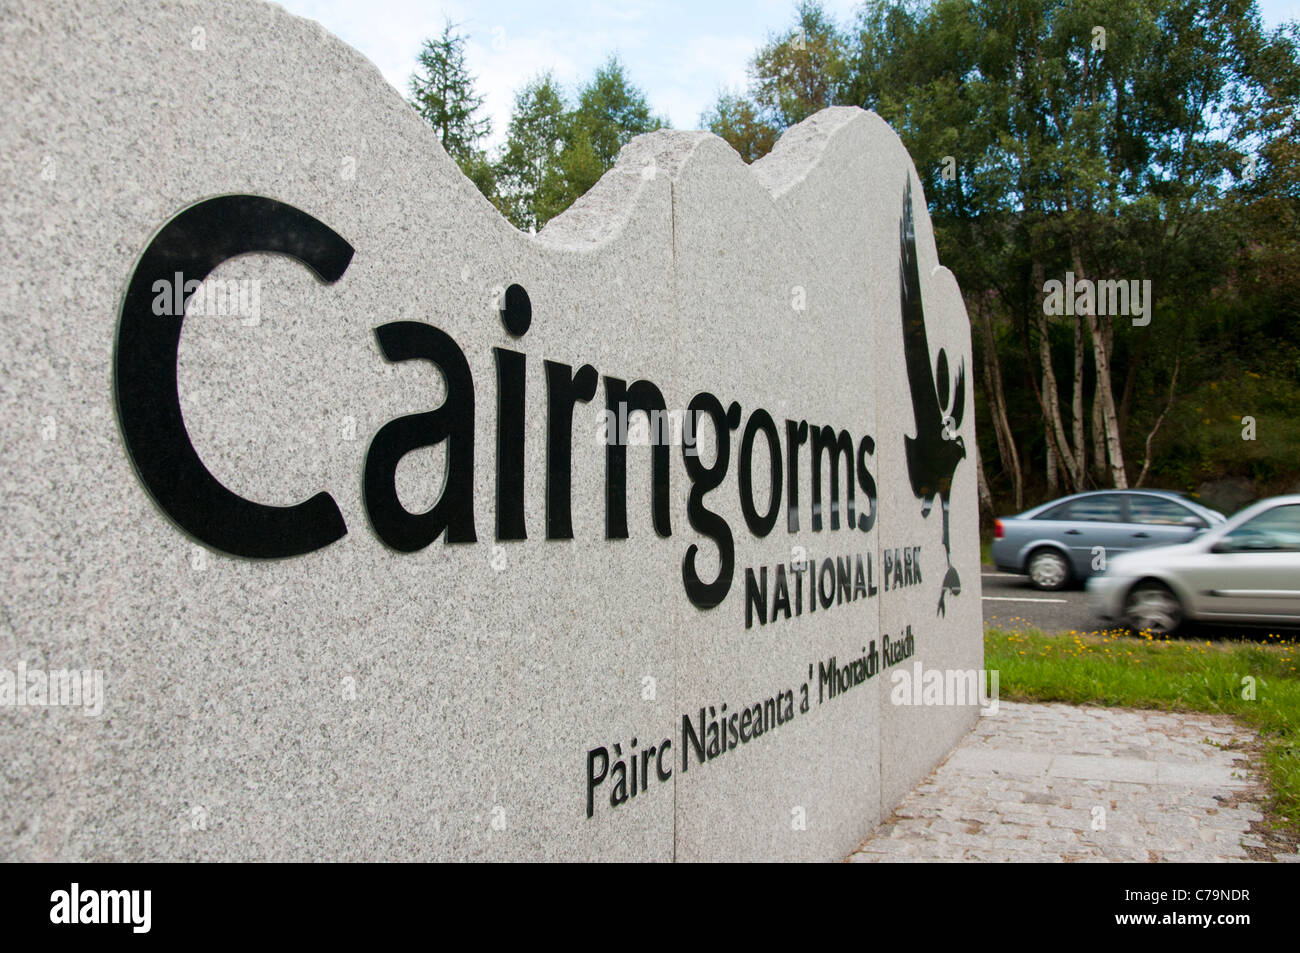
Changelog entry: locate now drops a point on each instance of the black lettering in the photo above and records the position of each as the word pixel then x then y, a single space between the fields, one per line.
pixel 781 593
pixel 859 580
pixel 646 398
pixel 688 734
pixel 827 575
pixel 703 479
pixel 186 250
pixel 824 439
pixel 760 524
pixel 795 434
pixel 755 596
pixel 453 514
pixel 563 390
pixel 510 443
pixel 867 482
pixel 659 761
pixel 592 779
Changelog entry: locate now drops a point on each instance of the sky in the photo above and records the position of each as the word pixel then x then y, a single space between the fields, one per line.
pixel 681 53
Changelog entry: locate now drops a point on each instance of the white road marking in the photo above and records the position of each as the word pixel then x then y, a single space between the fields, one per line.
pixel 1001 575
pixel 1010 599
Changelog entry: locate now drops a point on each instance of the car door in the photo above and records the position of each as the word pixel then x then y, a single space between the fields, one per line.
pixel 1096 530
pixel 1253 572
pixel 1159 521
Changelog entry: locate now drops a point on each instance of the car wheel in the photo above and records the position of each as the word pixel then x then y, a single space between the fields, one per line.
pixel 1153 607
pixel 1048 569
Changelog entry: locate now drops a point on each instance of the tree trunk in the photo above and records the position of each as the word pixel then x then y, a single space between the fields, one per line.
pixel 1098 442
pixel 985 497
pixel 1053 484
pixel 1109 417
pixel 1007 452
pixel 1050 397
pixel 1076 409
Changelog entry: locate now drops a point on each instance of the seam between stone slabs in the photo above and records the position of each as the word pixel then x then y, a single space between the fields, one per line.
pixel 1004 763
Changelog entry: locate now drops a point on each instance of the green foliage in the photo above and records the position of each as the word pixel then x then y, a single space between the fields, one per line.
pixel 553 152
pixel 478 169
pixel 610 112
pixel 737 120
pixel 527 172
pixel 795 75
pixel 1043 142
pixel 1206 437
pixel 1165 146
pixel 442 91
pixel 792 76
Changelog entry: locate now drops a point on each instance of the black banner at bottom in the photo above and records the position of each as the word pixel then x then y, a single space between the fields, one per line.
pixel 140 903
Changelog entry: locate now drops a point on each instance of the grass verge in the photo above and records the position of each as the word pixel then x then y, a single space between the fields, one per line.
pixel 1122 670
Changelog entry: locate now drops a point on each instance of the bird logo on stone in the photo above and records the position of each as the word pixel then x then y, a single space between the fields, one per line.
pixel 936 450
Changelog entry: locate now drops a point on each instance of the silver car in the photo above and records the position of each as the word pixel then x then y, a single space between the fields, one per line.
pixel 1076 536
pixel 1246 570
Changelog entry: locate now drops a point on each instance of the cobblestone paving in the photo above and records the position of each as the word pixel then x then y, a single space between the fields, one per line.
pixel 1074 784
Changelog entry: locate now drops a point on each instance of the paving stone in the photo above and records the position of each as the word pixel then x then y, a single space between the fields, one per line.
pixel 1023 785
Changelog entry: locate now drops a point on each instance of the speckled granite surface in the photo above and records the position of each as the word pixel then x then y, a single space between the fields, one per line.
pixel 357 702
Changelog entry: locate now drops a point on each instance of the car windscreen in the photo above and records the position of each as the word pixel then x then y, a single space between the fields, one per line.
pixel 1275 530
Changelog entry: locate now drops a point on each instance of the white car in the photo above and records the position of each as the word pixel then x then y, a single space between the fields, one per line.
pixel 1244 570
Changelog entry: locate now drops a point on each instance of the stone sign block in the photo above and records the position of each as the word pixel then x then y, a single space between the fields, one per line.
pixel 341 520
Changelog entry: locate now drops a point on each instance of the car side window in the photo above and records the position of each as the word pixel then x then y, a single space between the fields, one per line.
pixel 1106 508
pixel 1057 512
pixel 1276 530
pixel 1155 511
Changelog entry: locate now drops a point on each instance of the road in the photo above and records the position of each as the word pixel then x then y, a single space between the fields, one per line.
pixel 1012 601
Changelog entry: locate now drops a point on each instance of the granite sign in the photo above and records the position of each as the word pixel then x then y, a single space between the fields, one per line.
pixel 391 532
